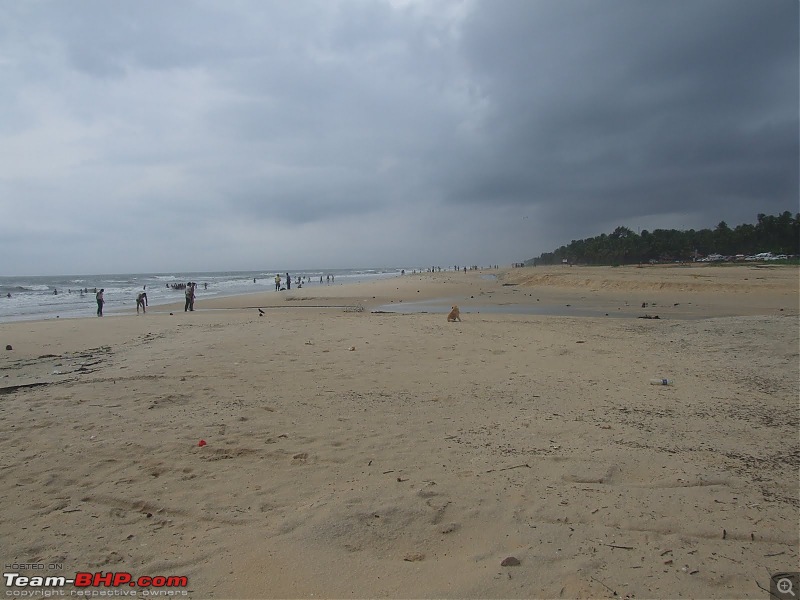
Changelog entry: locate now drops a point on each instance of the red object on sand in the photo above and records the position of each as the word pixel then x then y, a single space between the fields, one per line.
pixel 201 443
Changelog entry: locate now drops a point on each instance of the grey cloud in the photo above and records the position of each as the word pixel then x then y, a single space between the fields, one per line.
pixel 574 113
pixel 616 98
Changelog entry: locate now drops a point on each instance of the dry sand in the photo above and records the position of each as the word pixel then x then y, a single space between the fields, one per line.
pixel 357 454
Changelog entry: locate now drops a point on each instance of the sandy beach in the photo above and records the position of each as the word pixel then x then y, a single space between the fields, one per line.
pixel 357 445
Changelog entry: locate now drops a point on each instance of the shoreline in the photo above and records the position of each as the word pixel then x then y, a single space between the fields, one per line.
pixel 365 454
pixel 593 290
pixel 597 289
pixel 34 298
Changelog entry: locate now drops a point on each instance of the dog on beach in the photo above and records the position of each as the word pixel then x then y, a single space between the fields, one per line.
pixel 455 314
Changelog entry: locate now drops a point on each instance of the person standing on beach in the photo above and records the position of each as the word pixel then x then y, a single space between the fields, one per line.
pixel 100 302
pixel 277 283
pixel 141 300
pixel 189 297
pixel 288 282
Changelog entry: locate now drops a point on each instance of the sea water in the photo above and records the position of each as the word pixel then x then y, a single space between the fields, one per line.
pixel 70 296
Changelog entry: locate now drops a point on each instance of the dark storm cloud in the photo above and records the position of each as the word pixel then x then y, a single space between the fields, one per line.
pixel 635 108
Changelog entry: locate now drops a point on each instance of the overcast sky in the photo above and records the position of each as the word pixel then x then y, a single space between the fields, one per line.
pixel 152 136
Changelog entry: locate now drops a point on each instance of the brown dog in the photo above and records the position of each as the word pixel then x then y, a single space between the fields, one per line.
pixel 455 314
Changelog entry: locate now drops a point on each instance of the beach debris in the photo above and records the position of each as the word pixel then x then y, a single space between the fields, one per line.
pixel 509 468
pixel 202 443
pixel 614 592
pixel 615 546
pixel 661 381
pixel 8 347
pixel 351 348
pixel 649 317
pixel 510 561
pixel 449 528
pixel 260 313
pixel 414 556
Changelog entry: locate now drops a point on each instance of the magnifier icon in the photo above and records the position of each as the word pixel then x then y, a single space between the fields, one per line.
pixel 784 586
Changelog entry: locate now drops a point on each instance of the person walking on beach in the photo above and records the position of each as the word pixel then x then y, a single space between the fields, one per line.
pixel 288 282
pixel 189 297
pixel 141 300
pixel 100 302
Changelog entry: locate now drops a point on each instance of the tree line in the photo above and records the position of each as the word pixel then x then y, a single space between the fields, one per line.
pixel 778 234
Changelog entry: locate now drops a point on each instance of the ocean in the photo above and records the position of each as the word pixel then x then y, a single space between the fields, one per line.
pixel 73 296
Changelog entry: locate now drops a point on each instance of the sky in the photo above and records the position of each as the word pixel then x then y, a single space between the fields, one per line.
pixel 192 135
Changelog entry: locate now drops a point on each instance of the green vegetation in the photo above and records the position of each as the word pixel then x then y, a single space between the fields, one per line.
pixel 779 235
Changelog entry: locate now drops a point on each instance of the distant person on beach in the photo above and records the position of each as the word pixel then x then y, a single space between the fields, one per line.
pixel 288 282
pixel 100 302
pixel 189 297
pixel 141 300
pixel 277 283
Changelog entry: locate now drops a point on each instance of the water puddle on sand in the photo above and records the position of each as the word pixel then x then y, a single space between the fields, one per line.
pixel 551 310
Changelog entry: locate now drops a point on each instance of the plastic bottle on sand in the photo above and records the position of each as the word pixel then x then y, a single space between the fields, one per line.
pixel 661 381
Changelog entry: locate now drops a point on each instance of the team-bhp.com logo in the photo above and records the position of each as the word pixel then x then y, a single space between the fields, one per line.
pixel 87 582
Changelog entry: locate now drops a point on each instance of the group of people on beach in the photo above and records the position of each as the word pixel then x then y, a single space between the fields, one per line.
pixel 191 287
pixel 299 280
pixel 141 298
